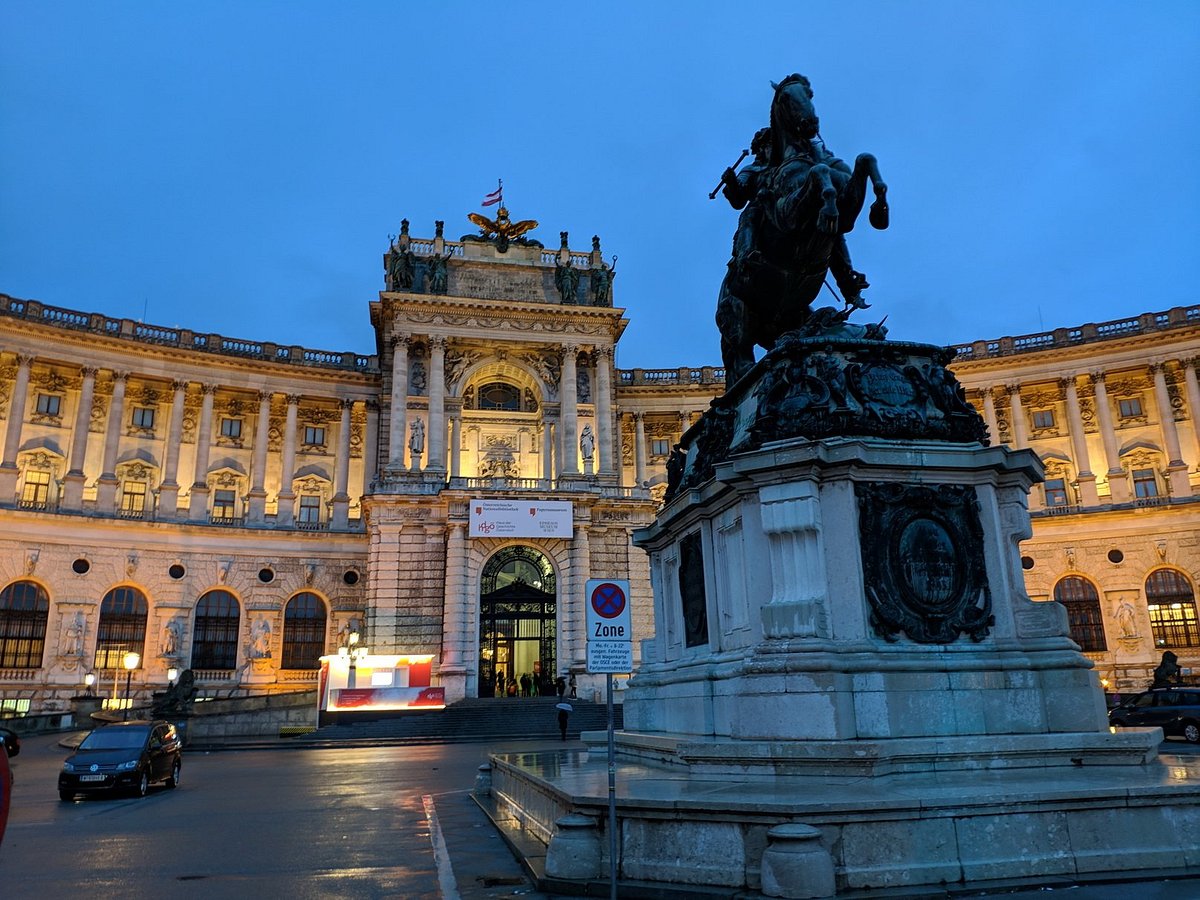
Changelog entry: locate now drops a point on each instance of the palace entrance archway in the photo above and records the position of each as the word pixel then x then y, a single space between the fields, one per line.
pixel 517 620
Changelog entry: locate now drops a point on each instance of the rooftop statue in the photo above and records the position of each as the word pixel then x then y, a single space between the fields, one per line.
pixel 798 202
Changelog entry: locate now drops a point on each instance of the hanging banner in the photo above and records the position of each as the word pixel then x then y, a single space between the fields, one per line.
pixel 521 519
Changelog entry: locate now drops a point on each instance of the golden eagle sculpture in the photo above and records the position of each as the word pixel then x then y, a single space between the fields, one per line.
pixel 503 229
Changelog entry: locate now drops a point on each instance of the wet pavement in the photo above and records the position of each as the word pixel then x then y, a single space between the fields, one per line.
pixel 350 822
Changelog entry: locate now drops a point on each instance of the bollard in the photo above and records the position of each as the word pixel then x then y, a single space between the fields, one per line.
pixel 795 865
pixel 483 781
pixel 574 851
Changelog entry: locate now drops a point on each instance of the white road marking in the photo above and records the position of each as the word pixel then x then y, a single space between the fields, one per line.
pixel 446 880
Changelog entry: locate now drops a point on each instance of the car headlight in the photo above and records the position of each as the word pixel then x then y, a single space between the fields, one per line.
pixel 126 766
pixel 67 767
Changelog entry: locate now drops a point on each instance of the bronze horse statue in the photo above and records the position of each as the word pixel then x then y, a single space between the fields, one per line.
pixel 800 202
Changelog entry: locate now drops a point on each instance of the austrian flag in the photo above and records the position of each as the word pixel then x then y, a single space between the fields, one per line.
pixel 495 196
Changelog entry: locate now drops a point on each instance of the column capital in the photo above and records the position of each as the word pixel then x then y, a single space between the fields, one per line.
pixel 438 342
pixel 638 415
pixel 1157 367
pixel 178 384
pixel 207 388
pixel 265 396
pixel 604 354
pixel 1098 376
pixel 1067 382
pixel 121 376
pixel 570 347
pixel 346 403
pixel 399 338
pixel 1011 390
pixel 293 399
pixel 25 359
pixel 88 371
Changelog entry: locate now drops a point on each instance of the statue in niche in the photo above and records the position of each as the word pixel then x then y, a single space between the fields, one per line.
pixel 583 386
pixel 260 638
pixel 73 636
pixel 566 279
pixel 1127 620
pixel 530 404
pixel 587 442
pixel 469 397
pixel 418 382
pixel 799 202
pixel 172 636
pixel 438 275
pixel 416 437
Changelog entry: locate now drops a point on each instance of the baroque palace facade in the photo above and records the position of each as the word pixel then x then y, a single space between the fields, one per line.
pixel 240 508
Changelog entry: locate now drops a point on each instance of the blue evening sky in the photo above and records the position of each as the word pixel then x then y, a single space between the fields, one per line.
pixel 236 167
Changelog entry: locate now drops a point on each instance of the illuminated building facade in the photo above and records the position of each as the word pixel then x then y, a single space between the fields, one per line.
pixel 240 508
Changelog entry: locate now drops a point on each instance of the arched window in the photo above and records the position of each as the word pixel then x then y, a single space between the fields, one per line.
pixel 498 395
pixel 1079 596
pixel 1172 605
pixel 24 609
pixel 215 644
pixel 122 627
pixel 303 631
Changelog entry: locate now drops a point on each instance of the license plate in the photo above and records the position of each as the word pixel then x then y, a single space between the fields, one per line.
pixel 91 777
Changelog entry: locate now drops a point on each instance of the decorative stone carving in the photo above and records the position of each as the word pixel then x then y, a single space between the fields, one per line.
pixel 922 556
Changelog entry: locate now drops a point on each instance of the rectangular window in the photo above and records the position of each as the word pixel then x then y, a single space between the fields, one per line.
pixel 133 497
pixel 143 417
pixel 231 428
pixel 1043 418
pixel 310 508
pixel 1129 407
pixel 314 436
pixel 36 490
pixel 223 504
pixel 1056 492
pixel 48 404
pixel 1144 483
pixel 660 447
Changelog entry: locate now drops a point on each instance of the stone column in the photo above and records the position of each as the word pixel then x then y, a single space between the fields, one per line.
pixel 12 432
pixel 74 479
pixel 257 509
pixel 1016 417
pixel 568 386
pixel 1118 484
pixel 340 516
pixel 285 513
pixel 371 447
pixel 576 621
pixel 168 489
pixel 456 444
pixel 604 428
pixel 398 423
pixel 107 484
pixel 639 448
pixel 1192 387
pixel 437 405
pixel 1177 473
pixel 1083 464
pixel 547 451
pixel 198 508
pixel 454 617
pixel 989 415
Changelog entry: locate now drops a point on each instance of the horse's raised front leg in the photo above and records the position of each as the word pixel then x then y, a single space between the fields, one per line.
pixel 878 215
pixel 827 218
pixel 794 210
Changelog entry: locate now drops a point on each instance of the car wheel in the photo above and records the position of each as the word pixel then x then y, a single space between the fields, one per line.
pixel 173 779
pixel 1191 732
pixel 66 796
pixel 143 784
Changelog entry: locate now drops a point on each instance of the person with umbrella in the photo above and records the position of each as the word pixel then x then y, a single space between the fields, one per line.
pixel 564 710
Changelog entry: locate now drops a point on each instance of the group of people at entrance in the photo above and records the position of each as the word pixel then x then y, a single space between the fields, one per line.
pixel 530 685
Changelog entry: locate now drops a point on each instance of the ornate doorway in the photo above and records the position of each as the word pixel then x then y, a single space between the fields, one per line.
pixel 517 622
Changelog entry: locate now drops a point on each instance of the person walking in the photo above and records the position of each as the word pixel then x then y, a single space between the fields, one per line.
pixel 500 684
pixel 562 720
pixel 571 684
pixel 560 686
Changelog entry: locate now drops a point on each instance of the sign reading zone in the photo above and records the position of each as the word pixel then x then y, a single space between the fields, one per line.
pixel 608 610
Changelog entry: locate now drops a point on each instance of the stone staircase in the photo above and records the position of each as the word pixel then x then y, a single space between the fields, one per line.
pixel 484 719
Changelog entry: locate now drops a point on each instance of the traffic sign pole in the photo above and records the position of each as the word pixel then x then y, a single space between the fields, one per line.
pixel 612 798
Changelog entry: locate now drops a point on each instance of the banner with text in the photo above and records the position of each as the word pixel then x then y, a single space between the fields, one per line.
pixel 521 519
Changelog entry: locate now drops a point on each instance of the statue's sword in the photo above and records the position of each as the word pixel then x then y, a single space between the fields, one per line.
pixel 717 189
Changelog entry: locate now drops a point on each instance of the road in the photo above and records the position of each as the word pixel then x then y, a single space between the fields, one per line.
pixel 350 822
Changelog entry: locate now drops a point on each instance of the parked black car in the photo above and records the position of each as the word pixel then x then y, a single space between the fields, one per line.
pixel 123 756
pixel 1175 710
pixel 10 740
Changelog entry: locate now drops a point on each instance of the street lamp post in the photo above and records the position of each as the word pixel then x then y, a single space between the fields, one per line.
pixel 130 660
pixel 88 680
pixel 172 674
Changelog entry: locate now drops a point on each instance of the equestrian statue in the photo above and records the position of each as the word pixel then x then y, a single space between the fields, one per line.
pixel 797 202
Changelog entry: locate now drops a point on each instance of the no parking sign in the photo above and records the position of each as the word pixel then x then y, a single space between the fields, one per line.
pixel 609 629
